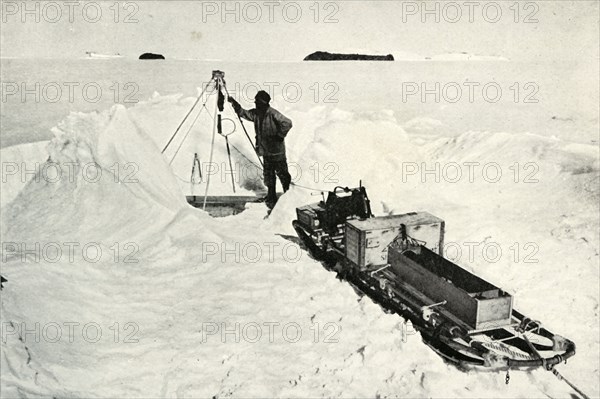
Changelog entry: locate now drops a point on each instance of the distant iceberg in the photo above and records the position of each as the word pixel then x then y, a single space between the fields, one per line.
pixel 93 55
pixel 464 56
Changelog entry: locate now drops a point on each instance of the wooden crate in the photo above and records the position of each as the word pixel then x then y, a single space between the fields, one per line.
pixel 477 303
pixel 367 240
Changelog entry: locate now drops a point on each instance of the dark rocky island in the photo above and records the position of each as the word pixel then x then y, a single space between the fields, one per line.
pixel 152 56
pixel 325 56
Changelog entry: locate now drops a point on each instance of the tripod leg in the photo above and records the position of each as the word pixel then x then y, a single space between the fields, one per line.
pixel 186 116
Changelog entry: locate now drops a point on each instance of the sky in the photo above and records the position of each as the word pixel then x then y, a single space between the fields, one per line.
pixel 272 31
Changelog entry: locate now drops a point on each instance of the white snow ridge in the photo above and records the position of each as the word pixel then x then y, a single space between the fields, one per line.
pixel 133 293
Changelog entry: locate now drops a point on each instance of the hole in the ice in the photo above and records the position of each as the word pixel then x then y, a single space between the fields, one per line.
pixel 221 206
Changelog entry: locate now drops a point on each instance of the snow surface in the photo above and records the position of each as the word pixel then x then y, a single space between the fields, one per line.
pixel 177 288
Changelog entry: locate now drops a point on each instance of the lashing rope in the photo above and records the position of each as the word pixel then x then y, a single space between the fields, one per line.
pixel 501 348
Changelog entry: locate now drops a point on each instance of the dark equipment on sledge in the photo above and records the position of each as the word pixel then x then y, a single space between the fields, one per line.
pixel 398 262
pixel 331 214
pixel 321 226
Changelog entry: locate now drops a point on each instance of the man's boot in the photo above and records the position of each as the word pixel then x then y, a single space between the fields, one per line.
pixel 271 198
pixel 284 175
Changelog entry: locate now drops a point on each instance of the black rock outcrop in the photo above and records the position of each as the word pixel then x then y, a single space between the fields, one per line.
pixel 325 56
pixel 152 56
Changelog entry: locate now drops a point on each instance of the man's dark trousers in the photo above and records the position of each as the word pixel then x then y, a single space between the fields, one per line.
pixel 276 166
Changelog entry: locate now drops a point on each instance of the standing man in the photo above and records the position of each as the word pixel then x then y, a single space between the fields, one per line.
pixel 271 127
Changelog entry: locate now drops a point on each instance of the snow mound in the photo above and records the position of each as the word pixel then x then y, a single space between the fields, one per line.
pixel 103 178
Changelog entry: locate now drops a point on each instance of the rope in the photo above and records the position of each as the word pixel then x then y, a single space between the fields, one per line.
pixel 308 188
pixel 551 368
pixel 569 383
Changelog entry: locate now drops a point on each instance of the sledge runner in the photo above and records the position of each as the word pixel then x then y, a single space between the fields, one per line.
pixel 271 128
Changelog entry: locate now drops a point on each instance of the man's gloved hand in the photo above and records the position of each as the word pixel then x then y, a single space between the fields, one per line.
pixel 235 104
